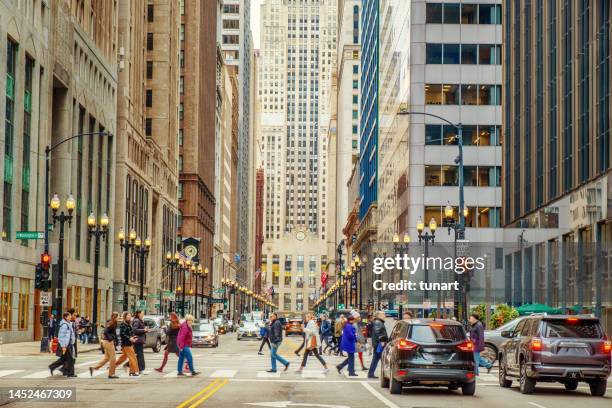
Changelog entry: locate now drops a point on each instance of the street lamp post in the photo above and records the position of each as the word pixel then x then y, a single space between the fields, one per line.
pixel 126 244
pixel 426 237
pixel 142 250
pixel 98 230
pixel 62 217
pixel 401 247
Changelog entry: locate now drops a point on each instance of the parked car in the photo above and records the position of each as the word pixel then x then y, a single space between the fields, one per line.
pixel 294 326
pixel 428 352
pixel 156 335
pixel 205 334
pixel 248 330
pixel 561 348
pixel 494 339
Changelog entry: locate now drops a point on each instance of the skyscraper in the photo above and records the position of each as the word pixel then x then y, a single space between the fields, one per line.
pixel 298 49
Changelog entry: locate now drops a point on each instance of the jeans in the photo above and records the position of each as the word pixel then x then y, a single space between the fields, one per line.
pixel 373 364
pixel 350 361
pixel 479 361
pixel 185 353
pixel 274 356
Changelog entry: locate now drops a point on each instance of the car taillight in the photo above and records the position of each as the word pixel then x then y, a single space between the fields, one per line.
pixel 406 345
pixel 607 346
pixel 466 346
pixel 536 344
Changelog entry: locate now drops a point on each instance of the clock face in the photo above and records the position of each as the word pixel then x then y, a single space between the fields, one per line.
pixel 190 251
pixel 300 235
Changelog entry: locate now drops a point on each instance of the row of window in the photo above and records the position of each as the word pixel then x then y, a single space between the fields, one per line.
pixel 456 13
pixel 473 135
pixel 483 54
pixel 473 176
pixel 465 94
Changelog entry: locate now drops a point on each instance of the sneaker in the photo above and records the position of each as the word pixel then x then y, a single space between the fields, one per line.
pixel 286 367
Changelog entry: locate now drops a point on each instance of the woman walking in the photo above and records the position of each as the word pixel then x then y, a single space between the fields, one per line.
pixel 172 332
pixel 140 331
pixel 348 344
pixel 183 341
pixel 311 333
pixel 109 340
pixel 126 335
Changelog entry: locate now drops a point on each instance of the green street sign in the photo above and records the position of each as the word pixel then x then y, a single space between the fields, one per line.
pixel 29 235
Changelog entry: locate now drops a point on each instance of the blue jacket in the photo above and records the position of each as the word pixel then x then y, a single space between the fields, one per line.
pixel 65 336
pixel 326 328
pixel 348 338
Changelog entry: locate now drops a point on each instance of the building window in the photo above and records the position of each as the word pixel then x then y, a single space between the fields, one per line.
pixel 149 41
pixel 6 309
pixel 150 13
pixel 149 69
pixel 149 98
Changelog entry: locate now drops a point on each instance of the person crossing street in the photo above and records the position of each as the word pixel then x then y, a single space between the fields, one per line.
pixel 276 338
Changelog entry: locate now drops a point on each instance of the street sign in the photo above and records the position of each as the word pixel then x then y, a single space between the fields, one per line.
pixel 45 298
pixel 29 235
pixel 462 247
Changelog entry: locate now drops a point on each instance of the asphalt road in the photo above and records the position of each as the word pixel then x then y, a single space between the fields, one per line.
pixel 233 375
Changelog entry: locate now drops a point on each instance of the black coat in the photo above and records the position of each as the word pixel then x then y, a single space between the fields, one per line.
pixel 276 332
pixel 171 335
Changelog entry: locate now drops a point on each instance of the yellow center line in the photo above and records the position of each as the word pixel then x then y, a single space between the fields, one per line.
pixel 209 394
pixel 209 386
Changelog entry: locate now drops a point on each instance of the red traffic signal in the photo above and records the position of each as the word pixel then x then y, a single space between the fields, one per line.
pixel 45 260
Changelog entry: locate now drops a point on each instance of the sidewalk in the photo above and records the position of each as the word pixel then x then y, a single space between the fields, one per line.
pixel 32 348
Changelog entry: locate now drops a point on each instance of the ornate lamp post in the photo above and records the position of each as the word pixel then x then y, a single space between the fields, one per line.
pixel 142 250
pixel 172 264
pixel 401 248
pixel 98 230
pixel 426 237
pixel 126 244
pixel 62 217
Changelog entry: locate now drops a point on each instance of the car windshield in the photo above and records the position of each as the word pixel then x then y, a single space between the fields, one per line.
pixel 203 327
pixel 586 329
pixel 436 334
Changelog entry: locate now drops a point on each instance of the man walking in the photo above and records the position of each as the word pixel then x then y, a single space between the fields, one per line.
pixel 379 338
pixel 67 340
pixel 276 338
pixel 477 337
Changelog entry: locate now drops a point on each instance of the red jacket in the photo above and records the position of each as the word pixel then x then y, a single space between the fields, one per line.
pixel 185 336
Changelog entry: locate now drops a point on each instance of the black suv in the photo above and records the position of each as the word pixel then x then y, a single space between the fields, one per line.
pixel 565 349
pixel 428 352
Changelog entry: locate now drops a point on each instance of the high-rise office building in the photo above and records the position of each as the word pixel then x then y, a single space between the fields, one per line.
pixel 298 48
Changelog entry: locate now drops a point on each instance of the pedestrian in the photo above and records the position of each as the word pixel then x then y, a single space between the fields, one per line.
pixel 407 315
pixel 67 339
pixel 477 337
pixel 311 332
pixel 338 328
pixel 347 344
pixel 183 340
pixel 265 338
pixel 140 331
pixel 361 339
pixel 109 342
pixel 326 333
pixel 379 339
pixel 127 338
pixel 276 338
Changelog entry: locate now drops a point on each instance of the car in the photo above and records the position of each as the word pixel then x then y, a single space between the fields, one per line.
pixel 204 334
pixel 494 339
pixel 294 326
pixel 428 352
pixel 248 330
pixel 156 335
pixel 562 348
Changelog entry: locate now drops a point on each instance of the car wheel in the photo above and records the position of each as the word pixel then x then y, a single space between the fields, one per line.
pixel 489 353
pixel 598 387
pixel 571 385
pixel 468 388
pixel 526 384
pixel 503 379
pixel 157 346
pixel 384 381
pixel 395 386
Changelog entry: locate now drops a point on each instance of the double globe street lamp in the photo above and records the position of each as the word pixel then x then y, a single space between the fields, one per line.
pixel 97 230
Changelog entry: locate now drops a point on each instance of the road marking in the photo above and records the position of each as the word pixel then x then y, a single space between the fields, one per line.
pixel 378 395
pixel 209 394
pixel 196 395
pixel 223 374
pixel 265 374
pixel 4 373
pixel 536 405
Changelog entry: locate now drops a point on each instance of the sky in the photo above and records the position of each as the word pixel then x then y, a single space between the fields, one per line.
pixel 255 21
